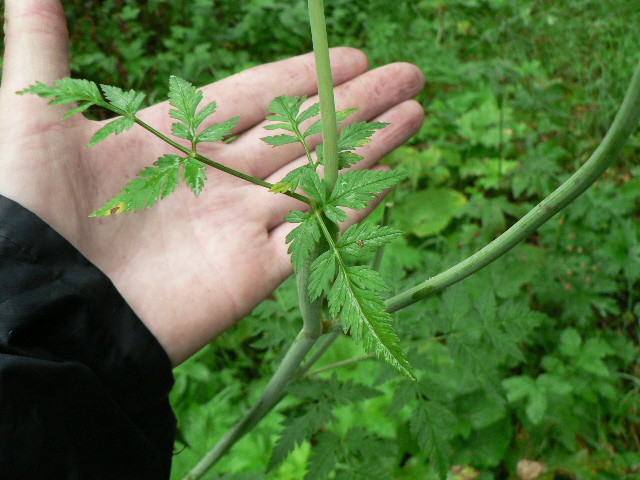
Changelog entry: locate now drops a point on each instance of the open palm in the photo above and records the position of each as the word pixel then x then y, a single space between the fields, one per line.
pixel 188 267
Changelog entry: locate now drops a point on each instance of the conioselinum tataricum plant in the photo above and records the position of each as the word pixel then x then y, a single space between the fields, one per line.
pixel 340 292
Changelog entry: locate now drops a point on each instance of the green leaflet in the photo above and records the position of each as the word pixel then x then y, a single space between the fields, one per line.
pixel 186 98
pixel 353 292
pixel 67 90
pixel 118 126
pixel 129 102
pixel 354 298
pixel 87 94
pixel 155 183
pixel 298 429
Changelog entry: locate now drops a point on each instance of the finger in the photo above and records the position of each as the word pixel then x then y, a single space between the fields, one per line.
pixel 36 43
pixel 249 93
pixel 372 93
pixel 405 120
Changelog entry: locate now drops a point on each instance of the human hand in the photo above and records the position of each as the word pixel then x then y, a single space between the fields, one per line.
pixel 190 268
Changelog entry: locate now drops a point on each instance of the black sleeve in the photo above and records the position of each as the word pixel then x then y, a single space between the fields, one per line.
pixel 84 386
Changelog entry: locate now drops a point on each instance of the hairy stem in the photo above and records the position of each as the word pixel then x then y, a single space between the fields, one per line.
pixel 325 90
pixel 272 394
pixel 607 152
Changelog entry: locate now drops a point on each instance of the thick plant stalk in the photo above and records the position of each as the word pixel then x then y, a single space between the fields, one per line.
pixel 607 152
pixel 273 393
pixel 325 90
pixel 311 311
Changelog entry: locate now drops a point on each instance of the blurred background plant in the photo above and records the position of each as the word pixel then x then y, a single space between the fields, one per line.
pixel 535 358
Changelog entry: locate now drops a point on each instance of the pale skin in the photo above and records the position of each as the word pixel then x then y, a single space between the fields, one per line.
pixel 190 268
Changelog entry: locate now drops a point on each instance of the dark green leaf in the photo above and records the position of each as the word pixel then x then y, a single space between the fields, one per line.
pixel 296 430
pixel 324 456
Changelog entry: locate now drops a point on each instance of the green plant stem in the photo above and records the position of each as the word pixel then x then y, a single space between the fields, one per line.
pixel 312 322
pixel 325 90
pixel 343 363
pixel 205 160
pixel 324 344
pixel 384 222
pixel 272 394
pixel 607 152
pixel 215 164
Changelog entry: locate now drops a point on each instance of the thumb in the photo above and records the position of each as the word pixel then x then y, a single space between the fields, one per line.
pixel 36 43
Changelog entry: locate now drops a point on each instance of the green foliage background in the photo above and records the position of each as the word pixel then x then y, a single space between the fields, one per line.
pixel 535 357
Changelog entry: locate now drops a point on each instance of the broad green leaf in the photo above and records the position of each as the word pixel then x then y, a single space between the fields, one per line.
pixel 116 127
pixel 430 211
pixel 312 185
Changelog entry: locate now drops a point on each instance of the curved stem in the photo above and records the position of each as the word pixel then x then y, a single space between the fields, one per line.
pixel 325 90
pixel 272 394
pixel 607 152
